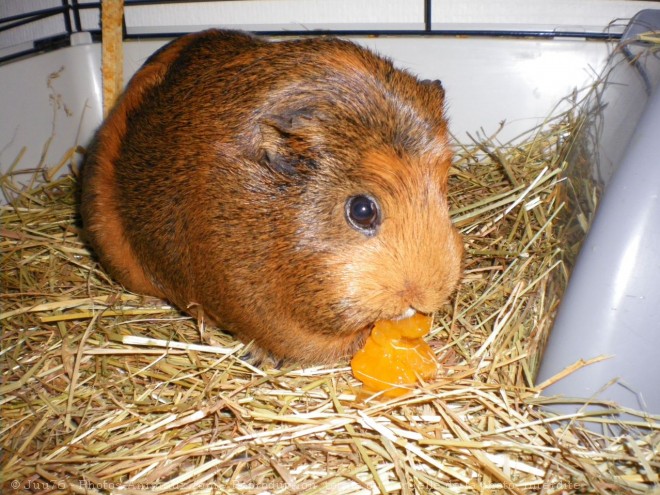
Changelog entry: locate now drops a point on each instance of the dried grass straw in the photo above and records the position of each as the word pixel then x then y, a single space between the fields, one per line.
pixel 104 391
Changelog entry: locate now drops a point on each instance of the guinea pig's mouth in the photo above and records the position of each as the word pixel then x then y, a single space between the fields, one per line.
pixel 364 331
pixel 408 313
pixel 361 331
pixel 386 316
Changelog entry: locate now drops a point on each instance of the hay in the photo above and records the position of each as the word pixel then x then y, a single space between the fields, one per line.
pixel 104 391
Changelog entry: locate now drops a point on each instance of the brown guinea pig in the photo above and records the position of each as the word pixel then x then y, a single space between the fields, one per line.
pixel 291 193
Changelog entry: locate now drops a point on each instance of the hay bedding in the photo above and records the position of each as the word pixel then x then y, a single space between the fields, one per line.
pixel 104 391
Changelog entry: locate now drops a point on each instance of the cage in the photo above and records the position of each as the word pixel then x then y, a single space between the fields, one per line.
pixel 507 67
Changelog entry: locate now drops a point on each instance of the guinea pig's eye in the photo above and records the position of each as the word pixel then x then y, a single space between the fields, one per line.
pixel 363 214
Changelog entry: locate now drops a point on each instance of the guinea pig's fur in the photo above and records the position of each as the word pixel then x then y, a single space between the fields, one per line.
pixel 221 178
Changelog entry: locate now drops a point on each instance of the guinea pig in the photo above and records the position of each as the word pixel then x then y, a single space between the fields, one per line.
pixel 291 193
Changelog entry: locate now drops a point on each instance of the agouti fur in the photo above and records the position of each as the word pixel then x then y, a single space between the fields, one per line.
pixel 221 179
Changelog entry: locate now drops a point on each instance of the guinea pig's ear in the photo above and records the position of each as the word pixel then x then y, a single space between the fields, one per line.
pixel 435 85
pixel 293 120
pixel 284 145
